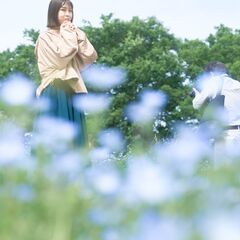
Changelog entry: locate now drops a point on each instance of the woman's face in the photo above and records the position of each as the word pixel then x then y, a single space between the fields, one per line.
pixel 65 13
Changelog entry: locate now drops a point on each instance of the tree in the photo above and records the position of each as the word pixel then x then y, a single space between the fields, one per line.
pixel 225 47
pixel 22 59
pixel 149 54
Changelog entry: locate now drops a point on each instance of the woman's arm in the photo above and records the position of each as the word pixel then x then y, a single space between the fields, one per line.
pixel 86 51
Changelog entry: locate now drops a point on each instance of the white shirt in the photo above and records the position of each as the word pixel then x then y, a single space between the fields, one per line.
pixel 224 85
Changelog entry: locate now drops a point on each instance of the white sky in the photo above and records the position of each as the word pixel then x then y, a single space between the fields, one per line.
pixel 184 18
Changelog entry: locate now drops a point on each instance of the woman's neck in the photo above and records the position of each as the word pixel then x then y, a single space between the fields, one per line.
pixel 54 28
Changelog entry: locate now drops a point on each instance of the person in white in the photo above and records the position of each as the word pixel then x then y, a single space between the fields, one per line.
pixel 217 83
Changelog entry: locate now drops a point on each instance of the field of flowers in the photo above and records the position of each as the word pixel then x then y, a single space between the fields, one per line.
pixel 179 189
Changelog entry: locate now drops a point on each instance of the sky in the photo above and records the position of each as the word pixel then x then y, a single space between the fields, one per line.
pixel 186 19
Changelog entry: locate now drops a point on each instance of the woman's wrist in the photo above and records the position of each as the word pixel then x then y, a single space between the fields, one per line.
pixel 81 36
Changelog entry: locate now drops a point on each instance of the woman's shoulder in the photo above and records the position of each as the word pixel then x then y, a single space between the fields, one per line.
pixel 47 33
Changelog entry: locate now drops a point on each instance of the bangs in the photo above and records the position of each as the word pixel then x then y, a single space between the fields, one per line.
pixel 68 2
pixel 53 9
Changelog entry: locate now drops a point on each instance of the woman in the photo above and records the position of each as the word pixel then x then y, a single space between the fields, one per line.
pixel 62 51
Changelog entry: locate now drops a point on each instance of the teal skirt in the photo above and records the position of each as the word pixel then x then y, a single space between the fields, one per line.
pixel 60 96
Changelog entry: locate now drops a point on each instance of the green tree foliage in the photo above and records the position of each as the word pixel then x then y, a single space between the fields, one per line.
pixel 22 59
pixel 225 46
pixel 153 58
pixel 149 54
pixel 195 54
pixel 6 59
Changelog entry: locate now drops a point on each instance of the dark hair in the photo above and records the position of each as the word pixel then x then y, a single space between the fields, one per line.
pixel 215 67
pixel 53 10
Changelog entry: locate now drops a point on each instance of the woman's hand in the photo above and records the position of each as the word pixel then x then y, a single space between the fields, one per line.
pixel 38 92
pixel 69 25
pixel 195 91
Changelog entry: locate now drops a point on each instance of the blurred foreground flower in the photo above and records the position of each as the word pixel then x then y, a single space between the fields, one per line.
pixel 23 192
pixel 65 166
pixel 53 132
pixel 103 77
pixel 179 155
pixel 92 103
pixel 147 182
pixel 17 90
pixel 104 179
pixel 222 226
pixel 12 149
pixel 147 108
pixel 151 226
pixel 99 154
pixel 112 138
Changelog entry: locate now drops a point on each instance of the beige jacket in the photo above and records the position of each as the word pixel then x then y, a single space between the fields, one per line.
pixel 62 54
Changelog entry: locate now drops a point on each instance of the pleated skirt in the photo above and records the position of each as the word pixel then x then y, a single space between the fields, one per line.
pixel 60 96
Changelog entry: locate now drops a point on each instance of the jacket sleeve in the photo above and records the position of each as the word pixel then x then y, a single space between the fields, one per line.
pixel 199 99
pixel 56 51
pixel 86 51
